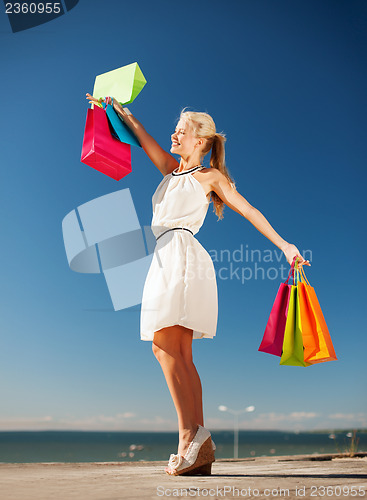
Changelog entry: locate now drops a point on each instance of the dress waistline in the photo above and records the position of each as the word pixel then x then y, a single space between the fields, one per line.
pixel 174 228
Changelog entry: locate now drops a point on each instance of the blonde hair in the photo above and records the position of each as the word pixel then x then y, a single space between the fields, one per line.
pixel 204 127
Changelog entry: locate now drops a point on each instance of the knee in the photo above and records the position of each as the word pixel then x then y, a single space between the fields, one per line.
pixel 156 350
pixel 160 353
pixel 164 354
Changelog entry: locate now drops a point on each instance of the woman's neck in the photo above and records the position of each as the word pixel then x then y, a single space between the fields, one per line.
pixel 189 163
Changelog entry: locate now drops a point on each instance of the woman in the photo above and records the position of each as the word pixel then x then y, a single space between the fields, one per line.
pixel 180 293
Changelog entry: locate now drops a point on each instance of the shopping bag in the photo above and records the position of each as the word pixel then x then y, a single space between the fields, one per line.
pixel 325 349
pixel 307 322
pixel 123 83
pixel 102 151
pixel 119 130
pixel 272 341
pixel 293 353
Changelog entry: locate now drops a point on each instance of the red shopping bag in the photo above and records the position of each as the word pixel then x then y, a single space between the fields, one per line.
pixel 101 150
pixel 272 341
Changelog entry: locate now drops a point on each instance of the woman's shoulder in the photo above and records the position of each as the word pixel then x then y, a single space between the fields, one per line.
pixel 211 172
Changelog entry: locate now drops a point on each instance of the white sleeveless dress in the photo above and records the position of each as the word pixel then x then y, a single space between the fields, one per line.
pixel 180 287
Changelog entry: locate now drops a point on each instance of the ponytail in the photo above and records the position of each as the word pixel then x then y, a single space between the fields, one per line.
pixel 217 161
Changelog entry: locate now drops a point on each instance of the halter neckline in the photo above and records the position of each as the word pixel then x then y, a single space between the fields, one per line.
pixel 186 171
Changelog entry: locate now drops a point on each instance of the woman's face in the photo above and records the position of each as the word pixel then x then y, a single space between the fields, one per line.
pixel 184 141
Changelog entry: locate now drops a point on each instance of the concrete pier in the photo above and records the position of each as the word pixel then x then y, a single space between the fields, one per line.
pixel 311 476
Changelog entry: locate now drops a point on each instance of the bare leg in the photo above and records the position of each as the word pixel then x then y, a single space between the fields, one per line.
pixel 186 351
pixel 171 346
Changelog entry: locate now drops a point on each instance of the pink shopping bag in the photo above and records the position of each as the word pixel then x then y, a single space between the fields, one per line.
pixel 101 150
pixel 272 341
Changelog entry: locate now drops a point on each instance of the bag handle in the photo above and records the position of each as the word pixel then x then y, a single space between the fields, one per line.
pixel 298 273
pixel 296 277
pixel 298 280
pixel 109 100
pixel 303 276
pixel 99 103
pixel 292 269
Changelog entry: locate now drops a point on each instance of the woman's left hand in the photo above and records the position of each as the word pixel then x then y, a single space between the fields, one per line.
pixel 291 251
pixel 93 100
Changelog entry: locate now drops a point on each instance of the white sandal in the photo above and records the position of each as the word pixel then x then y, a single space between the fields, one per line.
pixel 198 458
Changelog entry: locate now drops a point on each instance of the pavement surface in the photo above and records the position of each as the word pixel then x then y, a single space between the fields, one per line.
pixel 311 477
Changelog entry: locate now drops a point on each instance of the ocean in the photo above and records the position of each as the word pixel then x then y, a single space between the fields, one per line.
pixel 85 446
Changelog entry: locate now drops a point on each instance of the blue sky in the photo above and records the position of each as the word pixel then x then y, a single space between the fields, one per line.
pixel 286 82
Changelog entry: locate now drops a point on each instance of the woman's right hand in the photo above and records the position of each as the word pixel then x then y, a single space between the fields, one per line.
pixel 291 251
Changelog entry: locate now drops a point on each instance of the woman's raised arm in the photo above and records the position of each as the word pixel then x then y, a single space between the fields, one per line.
pixel 232 198
pixel 165 162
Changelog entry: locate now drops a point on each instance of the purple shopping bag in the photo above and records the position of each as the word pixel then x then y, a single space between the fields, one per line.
pixel 272 341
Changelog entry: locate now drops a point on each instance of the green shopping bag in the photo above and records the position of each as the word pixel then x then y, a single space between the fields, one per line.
pixel 123 83
pixel 293 352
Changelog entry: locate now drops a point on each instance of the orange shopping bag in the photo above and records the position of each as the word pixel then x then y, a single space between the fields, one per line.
pixel 317 343
pixel 308 324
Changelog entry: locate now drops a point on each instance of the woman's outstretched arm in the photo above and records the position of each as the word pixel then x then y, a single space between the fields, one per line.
pixel 165 162
pixel 232 198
